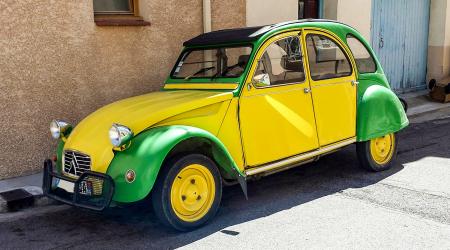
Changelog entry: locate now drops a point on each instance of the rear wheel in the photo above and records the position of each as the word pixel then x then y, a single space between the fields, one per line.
pixel 378 153
pixel 404 104
pixel 188 191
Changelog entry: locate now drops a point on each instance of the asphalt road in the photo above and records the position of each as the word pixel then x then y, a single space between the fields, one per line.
pixel 328 204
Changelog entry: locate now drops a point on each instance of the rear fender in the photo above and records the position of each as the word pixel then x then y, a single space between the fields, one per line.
pixel 380 112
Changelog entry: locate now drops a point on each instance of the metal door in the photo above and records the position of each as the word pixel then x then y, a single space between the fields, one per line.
pixel 399 34
pixel 277 119
pixel 332 87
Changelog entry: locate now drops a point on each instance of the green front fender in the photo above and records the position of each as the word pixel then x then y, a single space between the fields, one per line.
pixel 380 112
pixel 147 153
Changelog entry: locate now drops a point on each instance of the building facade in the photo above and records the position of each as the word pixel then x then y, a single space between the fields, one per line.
pixel 65 59
pixel 410 37
pixel 59 60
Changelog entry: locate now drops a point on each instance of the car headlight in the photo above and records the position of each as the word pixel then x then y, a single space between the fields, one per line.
pixel 60 129
pixel 120 135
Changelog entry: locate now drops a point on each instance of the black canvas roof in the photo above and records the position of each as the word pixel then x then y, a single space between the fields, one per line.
pixel 240 35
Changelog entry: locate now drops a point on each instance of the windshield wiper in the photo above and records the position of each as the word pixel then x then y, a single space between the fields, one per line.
pixel 203 70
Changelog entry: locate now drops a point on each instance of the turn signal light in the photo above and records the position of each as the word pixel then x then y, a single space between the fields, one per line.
pixel 130 176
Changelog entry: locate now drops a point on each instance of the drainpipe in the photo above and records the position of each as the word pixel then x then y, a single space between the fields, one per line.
pixel 321 6
pixel 207 28
pixel 206 16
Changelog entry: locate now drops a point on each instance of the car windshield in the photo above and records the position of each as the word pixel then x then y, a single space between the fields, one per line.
pixel 211 63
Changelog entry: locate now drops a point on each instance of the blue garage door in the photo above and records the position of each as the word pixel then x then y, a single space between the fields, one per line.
pixel 400 39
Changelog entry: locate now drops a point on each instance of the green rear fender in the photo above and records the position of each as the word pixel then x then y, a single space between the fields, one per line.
pixel 380 112
pixel 147 153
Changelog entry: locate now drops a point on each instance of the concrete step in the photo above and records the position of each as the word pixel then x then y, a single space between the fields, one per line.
pixel 19 198
pixel 420 102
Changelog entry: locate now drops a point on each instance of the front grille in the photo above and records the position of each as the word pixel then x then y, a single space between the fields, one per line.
pixel 76 163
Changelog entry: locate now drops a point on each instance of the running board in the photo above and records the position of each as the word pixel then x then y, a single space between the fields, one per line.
pixel 292 161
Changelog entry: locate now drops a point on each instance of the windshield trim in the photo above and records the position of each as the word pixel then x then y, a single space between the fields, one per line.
pixel 187 50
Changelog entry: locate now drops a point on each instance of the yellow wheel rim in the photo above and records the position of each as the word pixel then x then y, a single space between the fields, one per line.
pixel 193 192
pixel 382 148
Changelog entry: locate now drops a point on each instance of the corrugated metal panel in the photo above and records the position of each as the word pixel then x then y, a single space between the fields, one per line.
pixel 400 40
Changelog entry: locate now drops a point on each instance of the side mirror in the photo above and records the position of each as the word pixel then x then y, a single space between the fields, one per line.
pixel 261 80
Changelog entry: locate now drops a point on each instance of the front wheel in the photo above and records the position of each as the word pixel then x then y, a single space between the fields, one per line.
pixel 188 191
pixel 378 153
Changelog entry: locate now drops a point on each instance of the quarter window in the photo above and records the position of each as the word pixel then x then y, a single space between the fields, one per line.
pixel 326 58
pixel 364 60
pixel 281 63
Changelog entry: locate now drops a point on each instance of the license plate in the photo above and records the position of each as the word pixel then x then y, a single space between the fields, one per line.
pixel 85 188
pixel 66 185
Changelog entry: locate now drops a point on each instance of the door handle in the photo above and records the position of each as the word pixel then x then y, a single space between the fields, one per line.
pixel 381 43
pixel 307 90
pixel 355 83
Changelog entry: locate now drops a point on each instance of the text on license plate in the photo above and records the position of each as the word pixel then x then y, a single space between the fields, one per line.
pixel 85 187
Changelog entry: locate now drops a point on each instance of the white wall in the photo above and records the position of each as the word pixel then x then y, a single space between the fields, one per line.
pixel 438 16
pixel 439 40
pixel 262 12
pixel 447 23
pixel 330 9
pixel 356 13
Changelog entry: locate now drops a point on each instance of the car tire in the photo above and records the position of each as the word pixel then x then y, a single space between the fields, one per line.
pixel 377 154
pixel 404 104
pixel 188 192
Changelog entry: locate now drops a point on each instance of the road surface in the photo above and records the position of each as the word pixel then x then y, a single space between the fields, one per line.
pixel 328 204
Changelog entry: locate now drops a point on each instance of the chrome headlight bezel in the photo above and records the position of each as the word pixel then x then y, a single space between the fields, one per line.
pixel 60 129
pixel 120 135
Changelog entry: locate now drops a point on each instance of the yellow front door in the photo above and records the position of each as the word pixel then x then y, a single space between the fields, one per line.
pixel 276 112
pixel 333 87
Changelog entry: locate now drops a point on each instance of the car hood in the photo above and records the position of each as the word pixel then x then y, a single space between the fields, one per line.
pixel 91 136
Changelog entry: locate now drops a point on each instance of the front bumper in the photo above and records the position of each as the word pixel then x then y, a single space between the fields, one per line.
pixel 97 199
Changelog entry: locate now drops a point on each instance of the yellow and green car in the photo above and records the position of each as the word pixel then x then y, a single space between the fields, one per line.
pixel 238 104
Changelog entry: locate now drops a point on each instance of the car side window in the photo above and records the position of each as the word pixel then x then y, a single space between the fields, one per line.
pixel 281 63
pixel 326 58
pixel 364 60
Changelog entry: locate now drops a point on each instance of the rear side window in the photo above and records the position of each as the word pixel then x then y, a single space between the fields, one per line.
pixel 326 58
pixel 364 60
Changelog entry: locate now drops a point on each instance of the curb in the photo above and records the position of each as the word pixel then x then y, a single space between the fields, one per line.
pixel 16 199
pixel 423 104
pixel 427 108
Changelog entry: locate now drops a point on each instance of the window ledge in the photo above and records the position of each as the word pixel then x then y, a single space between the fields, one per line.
pixel 110 21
